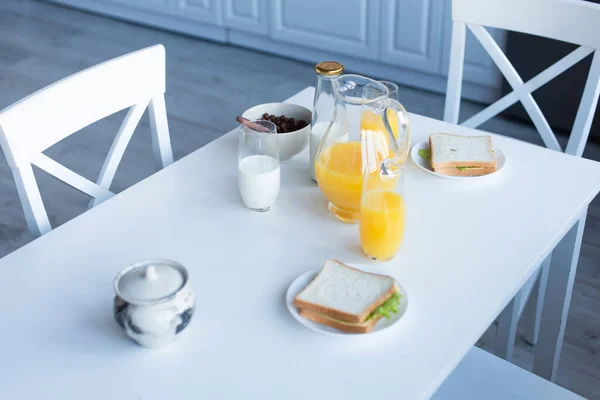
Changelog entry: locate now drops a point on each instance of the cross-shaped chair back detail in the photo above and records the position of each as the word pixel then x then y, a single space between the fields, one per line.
pixel 30 126
pixel 572 21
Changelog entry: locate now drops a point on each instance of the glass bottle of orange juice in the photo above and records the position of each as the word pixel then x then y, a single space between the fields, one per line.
pixel 323 107
pixel 383 210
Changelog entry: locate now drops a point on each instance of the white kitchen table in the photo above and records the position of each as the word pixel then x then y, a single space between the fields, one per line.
pixel 469 246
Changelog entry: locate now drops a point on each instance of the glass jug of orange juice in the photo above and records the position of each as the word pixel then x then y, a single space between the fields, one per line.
pixel 368 127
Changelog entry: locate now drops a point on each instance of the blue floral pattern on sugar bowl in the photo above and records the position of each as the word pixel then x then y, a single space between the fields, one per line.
pixel 154 301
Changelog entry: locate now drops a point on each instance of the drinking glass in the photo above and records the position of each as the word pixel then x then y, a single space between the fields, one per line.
pixel 258 166
pixel 383 211
pixel 393 89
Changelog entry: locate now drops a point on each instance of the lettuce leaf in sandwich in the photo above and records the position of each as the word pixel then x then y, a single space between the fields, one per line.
pixel 387 308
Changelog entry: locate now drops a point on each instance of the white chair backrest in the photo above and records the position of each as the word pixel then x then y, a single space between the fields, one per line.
pixel 30 126
pixel 573 21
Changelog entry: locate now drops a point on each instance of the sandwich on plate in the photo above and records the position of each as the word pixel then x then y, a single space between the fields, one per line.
pixel 348 299
pixel 458 155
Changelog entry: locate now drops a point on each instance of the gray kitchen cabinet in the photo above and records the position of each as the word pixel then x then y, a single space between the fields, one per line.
pixel 416 34
pixel 205 11
pixel 201 18
pixel 344 27
pixel 160 6
pixel 479 69
pixel 406 41
pixel 247 15
pixel 412 34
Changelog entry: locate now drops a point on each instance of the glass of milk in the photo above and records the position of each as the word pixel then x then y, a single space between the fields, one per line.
pixel 258 166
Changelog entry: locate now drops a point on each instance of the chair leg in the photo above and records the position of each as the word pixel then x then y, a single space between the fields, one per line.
pixel 161 142
pixel 533 309
pixel 507 329
pixel 561 277
pixel 455 72
pixel 31 200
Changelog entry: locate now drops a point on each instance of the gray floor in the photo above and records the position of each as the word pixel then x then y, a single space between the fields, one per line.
pixel 208 85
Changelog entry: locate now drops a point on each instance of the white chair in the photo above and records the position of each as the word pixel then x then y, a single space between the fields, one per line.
pixel 30 126
pixel 572 21
pixel 483 376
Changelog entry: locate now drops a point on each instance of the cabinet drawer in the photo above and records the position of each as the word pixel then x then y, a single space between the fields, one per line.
pixel 246 15
pixel 412 32
pixel 206 11
pixel 352 27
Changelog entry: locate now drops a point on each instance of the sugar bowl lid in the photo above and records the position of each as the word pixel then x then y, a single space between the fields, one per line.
pixel 150 281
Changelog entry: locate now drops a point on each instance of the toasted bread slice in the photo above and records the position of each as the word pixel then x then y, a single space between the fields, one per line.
pixel 476 171
pixel 448 152
pixel 344 293
pixel 364 327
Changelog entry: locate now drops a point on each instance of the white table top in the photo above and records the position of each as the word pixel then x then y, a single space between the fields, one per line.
pixel 469 246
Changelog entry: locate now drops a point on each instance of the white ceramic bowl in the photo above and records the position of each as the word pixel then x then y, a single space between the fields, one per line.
pixel 290 143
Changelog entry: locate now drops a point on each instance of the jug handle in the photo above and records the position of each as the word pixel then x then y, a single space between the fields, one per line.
pixel 403 141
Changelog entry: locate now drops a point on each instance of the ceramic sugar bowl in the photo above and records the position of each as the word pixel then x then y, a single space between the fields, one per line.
pixel 154 301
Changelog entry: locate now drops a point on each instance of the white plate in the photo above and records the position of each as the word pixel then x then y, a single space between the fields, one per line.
pixel 425 163
pixel 303 280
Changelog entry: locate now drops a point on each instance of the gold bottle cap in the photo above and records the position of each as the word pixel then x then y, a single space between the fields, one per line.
pixel 329 68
